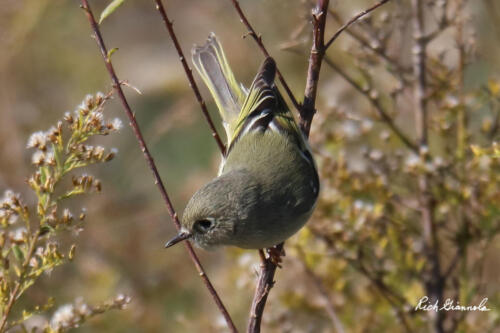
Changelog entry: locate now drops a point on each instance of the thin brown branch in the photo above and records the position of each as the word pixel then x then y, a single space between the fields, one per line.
pixel 352 20
pixel 419 60
pixel 434 280
pixel 375 45
pixel 315 60
pixel 396 300
pixel 455 260
pixel 150 161
pixel 330 309
pixel 189 74
pixel 375 102
pixel 12 298
pixel 264 284
pixel 398 71
pixel 400 313
pixel 496 122
pixel 258 40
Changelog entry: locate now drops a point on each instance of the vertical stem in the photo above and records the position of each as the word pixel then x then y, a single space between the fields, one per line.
pixel 419 60
pixel 315 60
pixel 462 119
pixel 433 279
pixel 462 252
pixel 15 294
pixel 264 285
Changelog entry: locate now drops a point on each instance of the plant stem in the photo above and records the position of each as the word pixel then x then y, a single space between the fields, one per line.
pixel 352 20
pixel 315 60
pixel 258 40
pixel 379 108
pixel 434 282
pixel 150 161
pixel 189 74
pixel 14 295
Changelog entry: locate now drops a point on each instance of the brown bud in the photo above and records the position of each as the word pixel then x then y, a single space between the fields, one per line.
pixel 75 181
pixel 89 101
pixel 97 185
pixel 69 118
pixel 109 157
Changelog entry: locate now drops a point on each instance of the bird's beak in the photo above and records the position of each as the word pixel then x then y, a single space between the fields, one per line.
pixel 182 235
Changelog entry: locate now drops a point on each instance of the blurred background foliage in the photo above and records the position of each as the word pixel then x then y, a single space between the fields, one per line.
pixel 361 262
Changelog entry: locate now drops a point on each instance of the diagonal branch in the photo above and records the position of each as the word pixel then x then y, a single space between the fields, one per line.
pixel 258 40
pixel 382 112
pixel 149 159
pixel 398 71
pixel 352 20
pixel 396 300
pixel 323 292
pixel 376 104
pixel 189 74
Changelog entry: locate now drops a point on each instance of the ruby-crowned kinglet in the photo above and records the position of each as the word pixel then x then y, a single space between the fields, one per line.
pixel 267 185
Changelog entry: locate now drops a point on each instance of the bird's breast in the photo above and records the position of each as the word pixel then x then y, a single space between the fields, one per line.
pixel 287 188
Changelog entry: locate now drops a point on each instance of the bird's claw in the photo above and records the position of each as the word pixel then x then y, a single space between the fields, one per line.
pixel 275 255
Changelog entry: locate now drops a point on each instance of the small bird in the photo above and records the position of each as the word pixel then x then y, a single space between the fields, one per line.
pixel 267 184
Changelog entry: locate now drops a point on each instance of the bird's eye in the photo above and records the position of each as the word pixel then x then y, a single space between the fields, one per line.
pixel 203 225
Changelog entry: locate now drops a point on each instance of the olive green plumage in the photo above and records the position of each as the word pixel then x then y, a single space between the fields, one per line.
pixel 268 184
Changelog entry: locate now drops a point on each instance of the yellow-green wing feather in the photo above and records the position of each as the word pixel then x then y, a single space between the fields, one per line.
pixel 265 108
pixel 260 98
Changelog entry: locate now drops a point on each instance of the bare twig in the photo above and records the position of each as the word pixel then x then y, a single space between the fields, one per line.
pixel 496 122
pixel 376 104
pixel 12 298
pixel 16 292
pixel 315 61
pixel 419 59
pixel 258 40
pixel 399 70
pixel 149 159
pixel 264 285
pixel 434 283
pixel 330 309
pixel 189 74
pixel 396 300
pixel 351 21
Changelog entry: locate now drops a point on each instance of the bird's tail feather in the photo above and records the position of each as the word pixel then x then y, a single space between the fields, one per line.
pixel 211 63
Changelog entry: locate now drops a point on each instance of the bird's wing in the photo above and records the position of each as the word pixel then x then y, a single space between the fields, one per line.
pixel 265 109
pixel 259 106
pixel 215 71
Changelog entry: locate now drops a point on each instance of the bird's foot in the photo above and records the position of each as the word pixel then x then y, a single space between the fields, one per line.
pixel 275 253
